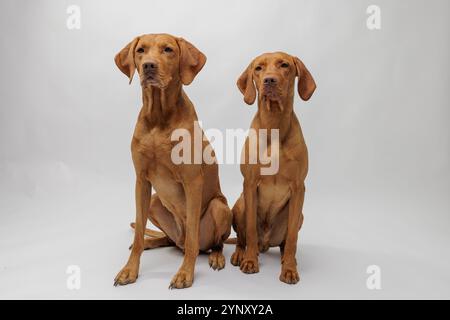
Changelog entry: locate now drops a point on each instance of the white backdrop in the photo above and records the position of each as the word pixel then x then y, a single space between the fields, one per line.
pixel 376 128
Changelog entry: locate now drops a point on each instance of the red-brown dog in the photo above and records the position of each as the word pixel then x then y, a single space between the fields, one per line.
pixel 269 211
pixel 188 205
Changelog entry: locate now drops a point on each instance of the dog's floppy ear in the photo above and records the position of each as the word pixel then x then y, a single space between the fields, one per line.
pixel 192 61
pixel 306 83
pixel 125 59
pixel 246 85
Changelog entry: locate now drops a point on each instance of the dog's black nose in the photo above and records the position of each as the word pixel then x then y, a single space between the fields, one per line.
pixel 149 66
pixel 270 80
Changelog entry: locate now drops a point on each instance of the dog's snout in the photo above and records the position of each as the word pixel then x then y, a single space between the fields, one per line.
pixel 270 81
pixel 150 66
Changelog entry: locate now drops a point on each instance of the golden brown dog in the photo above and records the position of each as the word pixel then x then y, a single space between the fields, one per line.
pixel 188 205
pixel 269 211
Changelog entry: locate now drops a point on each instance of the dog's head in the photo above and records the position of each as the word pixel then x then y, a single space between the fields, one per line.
pixel 160 59
pixel 272 75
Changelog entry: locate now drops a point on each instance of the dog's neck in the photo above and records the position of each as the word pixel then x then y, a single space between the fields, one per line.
pixel 276 114
pixel 159 104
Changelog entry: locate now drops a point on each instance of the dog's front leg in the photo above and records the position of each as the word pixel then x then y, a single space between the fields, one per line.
pixel 289 273
pixel 193 188
pixel 143 193
pixel 249 263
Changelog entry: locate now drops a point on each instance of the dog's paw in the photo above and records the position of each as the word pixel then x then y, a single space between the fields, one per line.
pixel 182 279
pixel 126 275
pixel 216 260
pixel 289 275
pixel 237 256
pixel 249 265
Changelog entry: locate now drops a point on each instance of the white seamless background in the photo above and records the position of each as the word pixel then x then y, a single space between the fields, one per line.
pixel 376 128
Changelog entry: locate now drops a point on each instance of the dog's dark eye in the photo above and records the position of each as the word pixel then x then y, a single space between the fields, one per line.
pixel 168 49
pixel 258 68
pixel 140 50
pixel 284 65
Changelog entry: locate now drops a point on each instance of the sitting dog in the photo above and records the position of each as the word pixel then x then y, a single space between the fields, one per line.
pixel 188 205
pixel 269 211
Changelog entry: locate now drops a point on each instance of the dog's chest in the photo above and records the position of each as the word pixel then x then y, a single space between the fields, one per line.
pixel 273 194
pixel 155 145
pixel 152 155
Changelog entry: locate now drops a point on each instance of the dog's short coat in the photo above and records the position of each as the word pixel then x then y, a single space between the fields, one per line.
pixel 188 205
pixel 269 211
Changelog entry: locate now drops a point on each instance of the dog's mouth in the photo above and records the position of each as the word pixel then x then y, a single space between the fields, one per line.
pixel 272 99
pixel 271 94
pixel 151 80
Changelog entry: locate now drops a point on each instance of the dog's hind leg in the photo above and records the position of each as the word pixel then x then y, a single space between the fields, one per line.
pixel 172 232
pixel 218 218
pixel 216 259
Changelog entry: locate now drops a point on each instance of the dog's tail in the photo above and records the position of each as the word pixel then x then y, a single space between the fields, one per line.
pixel 149 232
pixel 231 241
pixel 159 234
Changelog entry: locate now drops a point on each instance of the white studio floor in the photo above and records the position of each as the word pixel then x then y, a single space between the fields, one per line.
pixel 41 235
